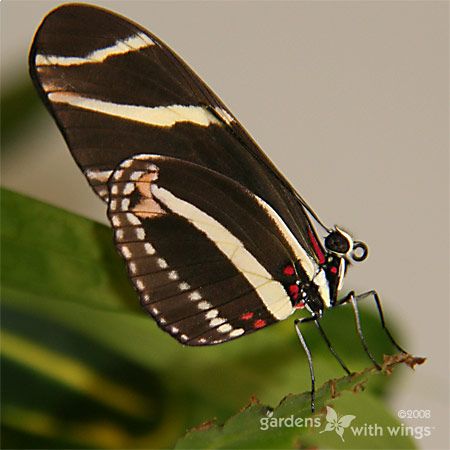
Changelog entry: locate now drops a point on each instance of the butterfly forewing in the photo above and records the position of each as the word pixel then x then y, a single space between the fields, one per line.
pixel 116 90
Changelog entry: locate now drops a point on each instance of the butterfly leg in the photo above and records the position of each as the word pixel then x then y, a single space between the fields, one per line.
pixel 297 323
pixel 377 300
pixel 360 332
pixel 352 299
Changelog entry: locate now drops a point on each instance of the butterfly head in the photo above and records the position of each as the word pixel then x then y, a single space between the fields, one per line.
pixel 341 244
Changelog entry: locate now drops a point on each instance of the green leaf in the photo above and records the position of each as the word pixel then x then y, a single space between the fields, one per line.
pixel 61 390
pixel 259 426
pixel 53 254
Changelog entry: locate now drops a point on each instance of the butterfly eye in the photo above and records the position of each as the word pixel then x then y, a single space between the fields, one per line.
pixel 338 243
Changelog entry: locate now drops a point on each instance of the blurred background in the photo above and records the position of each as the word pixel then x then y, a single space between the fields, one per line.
pixel 350 101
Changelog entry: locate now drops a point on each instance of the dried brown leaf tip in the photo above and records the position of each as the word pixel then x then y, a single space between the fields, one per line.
pixel 358 387
pixel 412 361
pixel 204 425
pixel 333 392
pixel 389 361
pixel 253 401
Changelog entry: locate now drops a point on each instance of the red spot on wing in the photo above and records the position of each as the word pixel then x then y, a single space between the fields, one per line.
pixel 333 269
pixel 247 316
pixel 259 323
pixel 317 248
pixel 289 271
pixel 300 305
pixel 293 290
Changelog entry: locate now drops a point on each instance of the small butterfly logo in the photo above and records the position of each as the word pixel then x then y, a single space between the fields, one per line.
pixel 336 423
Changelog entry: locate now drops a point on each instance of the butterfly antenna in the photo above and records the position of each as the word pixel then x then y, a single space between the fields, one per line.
pixel 312 213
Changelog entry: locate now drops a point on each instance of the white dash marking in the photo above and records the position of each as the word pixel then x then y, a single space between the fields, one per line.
pixel 133 219
pixel 115 189
pixel 203 305
pixel 162 263
pixel 125 252
pixel 116 221
pixel 98 175
pixel 136 175
pixel 173 275
pixel 149 249
pixel 125 204
pixel 184 337
pixel 132 267
pixel 113 205
pixel 120 47
pixel 103 193
pixel 212 314
pixel 194 296
pixel 162 116
pixel 237 332
pixel 118 174
pixel 128 188
pixel 140 234
pixel 155 311
pixel 140 285
pixel 225 328
pixel 162 320
pixel 184 286
pixel 119 235
pixel 127 163
pixel 216 322
pixel 174 330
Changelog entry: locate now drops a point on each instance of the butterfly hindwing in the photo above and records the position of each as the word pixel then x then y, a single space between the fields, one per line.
pixel 200 249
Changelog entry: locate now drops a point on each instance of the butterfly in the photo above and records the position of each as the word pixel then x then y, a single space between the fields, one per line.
pixel 216 241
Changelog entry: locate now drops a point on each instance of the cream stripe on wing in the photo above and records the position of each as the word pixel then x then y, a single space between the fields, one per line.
pixel 130 44
pixel 316 275
pixel 320 280
pixel 163 116
pixel 306 262
pixel 272 294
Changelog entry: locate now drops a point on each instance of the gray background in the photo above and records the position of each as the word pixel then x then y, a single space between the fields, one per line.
pixel 349 99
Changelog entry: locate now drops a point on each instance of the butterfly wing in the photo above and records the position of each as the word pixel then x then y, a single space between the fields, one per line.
pixel 116 90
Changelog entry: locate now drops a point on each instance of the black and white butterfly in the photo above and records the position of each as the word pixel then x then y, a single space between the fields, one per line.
pixel 216 241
